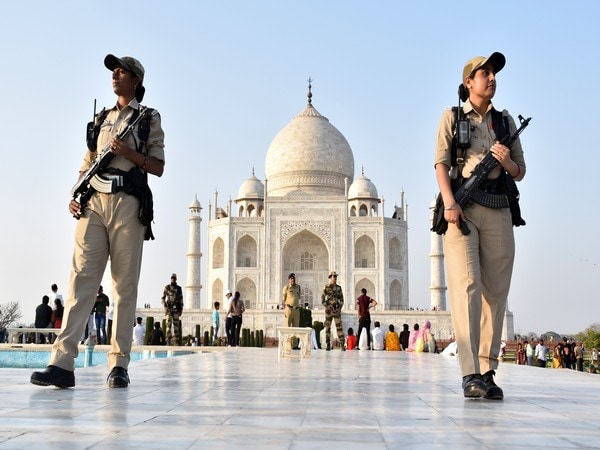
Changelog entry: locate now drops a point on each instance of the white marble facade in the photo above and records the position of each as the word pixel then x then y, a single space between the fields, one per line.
pixel 313 219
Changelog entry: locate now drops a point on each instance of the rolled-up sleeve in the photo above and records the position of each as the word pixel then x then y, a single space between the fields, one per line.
pixel 443 144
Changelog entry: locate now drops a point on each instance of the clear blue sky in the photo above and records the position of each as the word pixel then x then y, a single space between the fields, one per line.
pixel 228 75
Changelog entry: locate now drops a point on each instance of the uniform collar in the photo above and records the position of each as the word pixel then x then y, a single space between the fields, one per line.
pixel 468 108
pixel 132 104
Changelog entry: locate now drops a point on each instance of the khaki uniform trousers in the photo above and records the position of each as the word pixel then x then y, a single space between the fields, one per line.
pixel 292 316
pixel 479 268
pixel 109 228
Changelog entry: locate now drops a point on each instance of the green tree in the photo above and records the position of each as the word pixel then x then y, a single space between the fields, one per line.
pixel 9 314
pixel 590 337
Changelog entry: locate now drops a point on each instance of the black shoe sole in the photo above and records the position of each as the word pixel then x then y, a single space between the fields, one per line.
pixel 46 383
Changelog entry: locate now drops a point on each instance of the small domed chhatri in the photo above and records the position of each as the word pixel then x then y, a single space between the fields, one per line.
pixel 362 198
pixel 362 188
pixel 251 189
pixel 309 156
pixel 251 196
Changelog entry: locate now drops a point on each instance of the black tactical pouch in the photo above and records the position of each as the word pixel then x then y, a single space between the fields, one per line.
pixel 512 193
pixel 439 224
pixel 137 185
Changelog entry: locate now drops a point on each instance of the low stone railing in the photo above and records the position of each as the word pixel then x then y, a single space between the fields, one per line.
pixel 14 333
pixel 285 335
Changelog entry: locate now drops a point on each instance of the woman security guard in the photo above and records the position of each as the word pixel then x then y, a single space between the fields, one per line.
pixel 479 265
pixel 109 227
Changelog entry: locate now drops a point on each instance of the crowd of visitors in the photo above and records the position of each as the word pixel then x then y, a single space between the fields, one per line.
pixel 567 353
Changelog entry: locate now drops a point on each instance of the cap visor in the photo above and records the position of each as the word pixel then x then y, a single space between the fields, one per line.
pixel 111 61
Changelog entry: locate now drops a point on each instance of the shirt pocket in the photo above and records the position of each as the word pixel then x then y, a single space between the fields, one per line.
pixel 105 133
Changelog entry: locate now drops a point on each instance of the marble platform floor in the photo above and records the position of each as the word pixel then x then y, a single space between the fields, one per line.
pixel 252 399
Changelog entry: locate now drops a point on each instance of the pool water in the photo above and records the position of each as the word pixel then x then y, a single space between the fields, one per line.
pixel 39 359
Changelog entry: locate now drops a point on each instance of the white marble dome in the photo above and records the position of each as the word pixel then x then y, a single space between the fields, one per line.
pixel 362 188
pixel 252 188
pixel 309 156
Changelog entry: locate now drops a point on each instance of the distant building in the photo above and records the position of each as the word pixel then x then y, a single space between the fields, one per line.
pixel 309 217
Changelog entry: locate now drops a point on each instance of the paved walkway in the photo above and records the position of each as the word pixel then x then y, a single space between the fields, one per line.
pixel 249 398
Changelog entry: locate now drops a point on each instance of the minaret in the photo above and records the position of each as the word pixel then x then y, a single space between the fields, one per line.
pixel 438 283
pixel 194 255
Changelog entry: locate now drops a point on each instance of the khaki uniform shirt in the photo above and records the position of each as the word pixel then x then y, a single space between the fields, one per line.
pixel 291 295
pixel 482 139
pixel 115 122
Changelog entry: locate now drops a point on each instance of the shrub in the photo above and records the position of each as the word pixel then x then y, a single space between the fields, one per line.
pixel 149 328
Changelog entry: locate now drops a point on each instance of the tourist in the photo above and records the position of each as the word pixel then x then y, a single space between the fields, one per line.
pixel 58 313
pixel 100 308
pixel 412 339
pixel 425 341
pixel 530 352
pixel 392 341
pixel 138 332
pixel 229 297
pixel 404 337
pixel 578 354
pixel 521 357
pixel 55 295
pixel 365 303
pixel 557 362
pixel 351 339
pixel 378 337
pixel 541 352
pixel 215 322
pixel 157 337
pixel 43 318
pixel 236 309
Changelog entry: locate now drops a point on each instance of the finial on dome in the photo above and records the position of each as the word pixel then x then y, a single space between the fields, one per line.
pixel 252 169
pixel 363 170
pixel 309 95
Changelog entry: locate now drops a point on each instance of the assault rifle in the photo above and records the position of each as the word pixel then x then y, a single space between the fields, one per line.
pixel 481 172
pixel 83 189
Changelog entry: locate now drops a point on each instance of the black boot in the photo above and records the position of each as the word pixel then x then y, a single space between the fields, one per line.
pixel 473 386
pixel 328 347
pixel 494 392
pixel 118 378
pixel 54 376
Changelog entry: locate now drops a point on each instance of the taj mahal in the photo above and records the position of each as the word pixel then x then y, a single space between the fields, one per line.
pixel 310 216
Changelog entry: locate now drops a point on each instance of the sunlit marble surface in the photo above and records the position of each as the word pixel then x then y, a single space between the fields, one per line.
pixel 251 398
